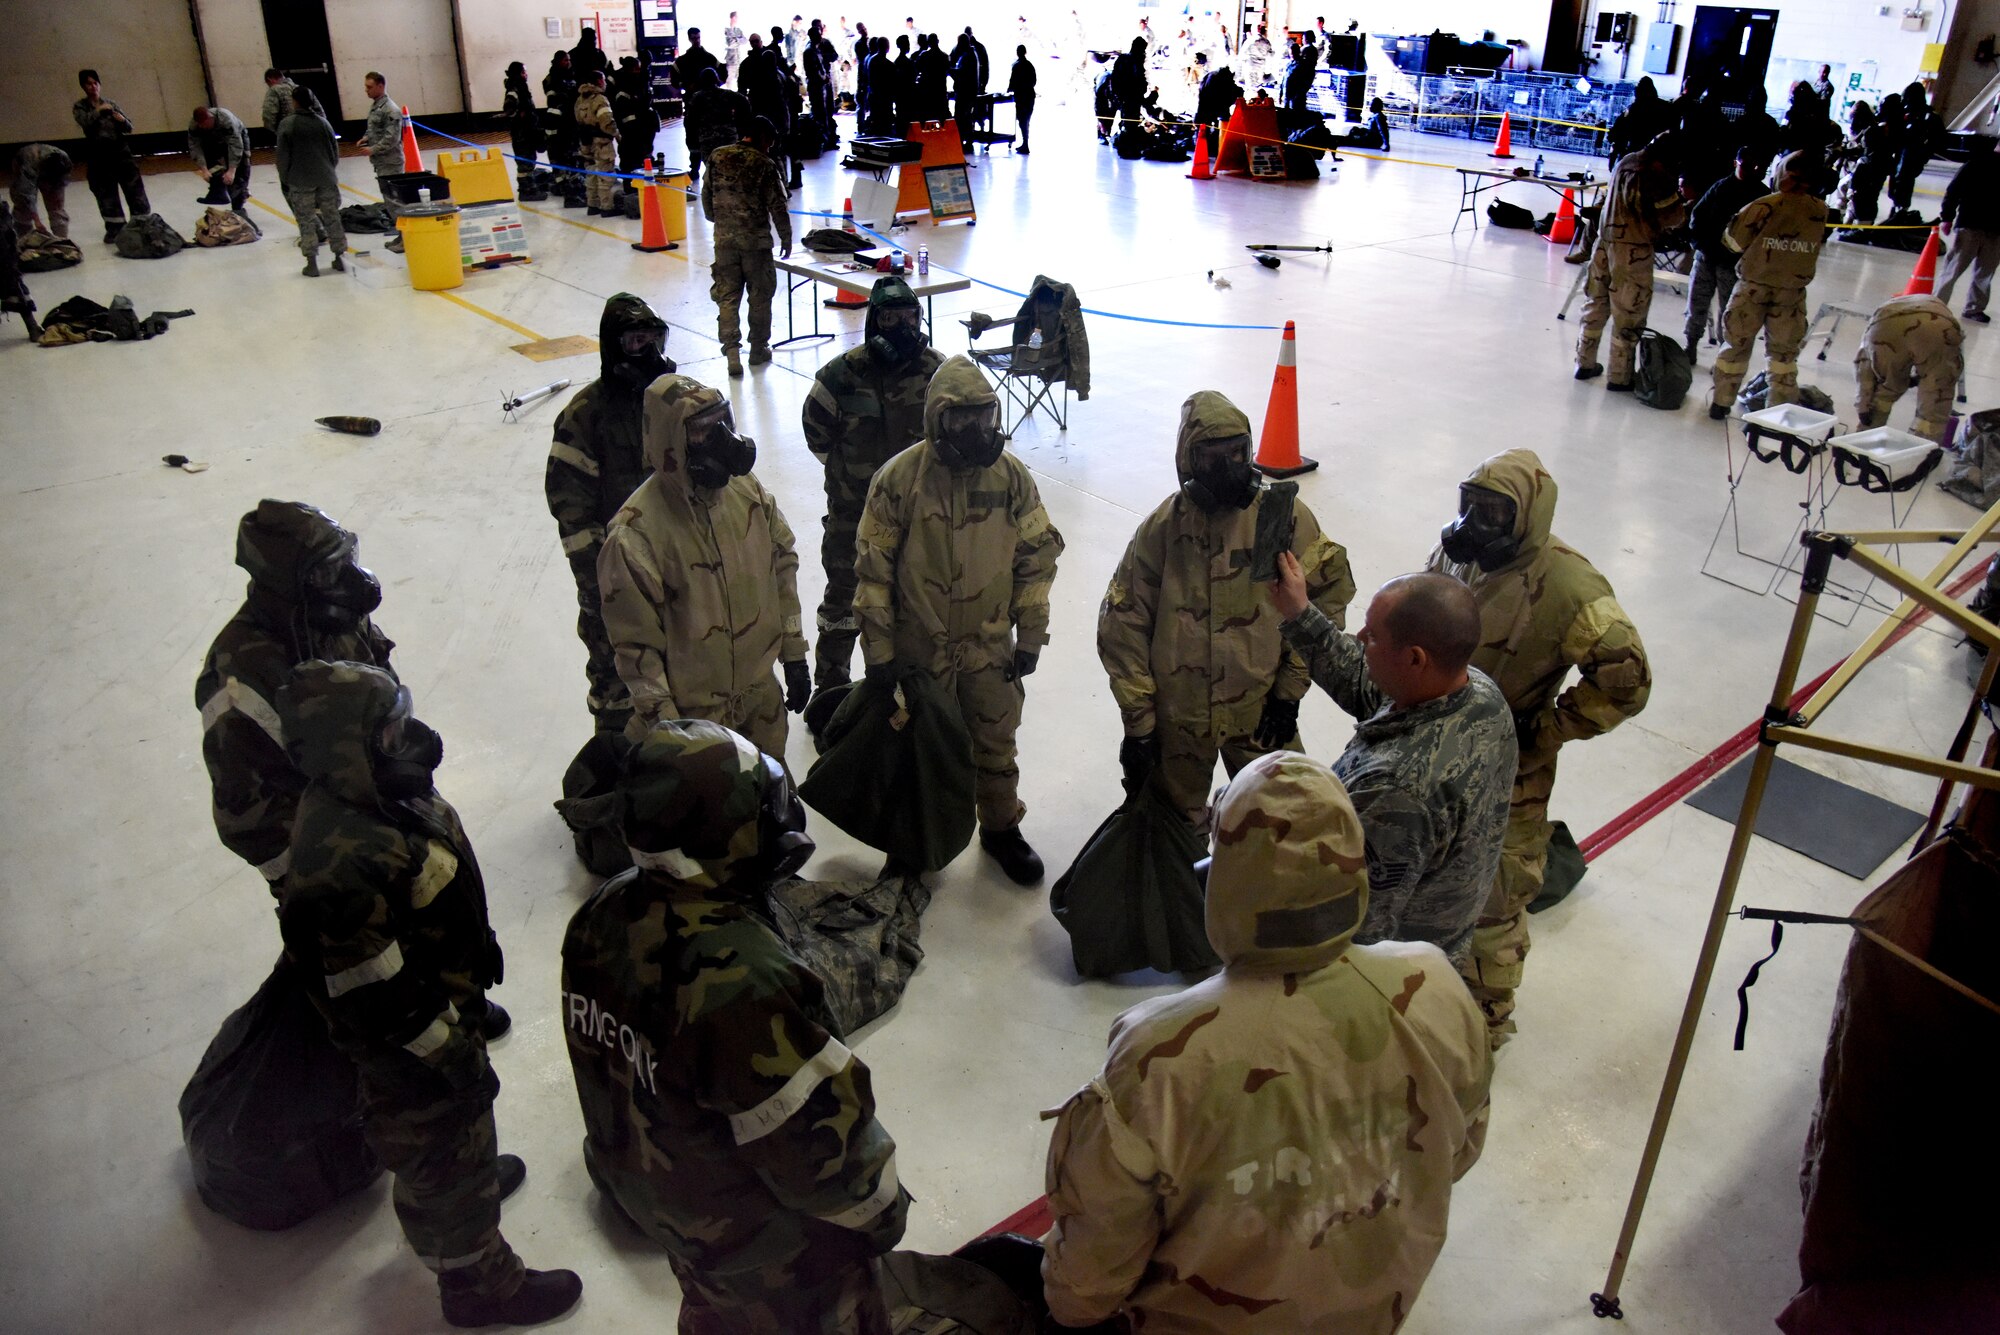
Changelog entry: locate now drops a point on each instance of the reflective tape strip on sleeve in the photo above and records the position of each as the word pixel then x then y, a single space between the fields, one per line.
pixel 582 540
pixel 234 695
pixel 860 1213
pixel 773 1112
pixel 275 869
pixel 379 969
pixel 564 452
pixel 436 1034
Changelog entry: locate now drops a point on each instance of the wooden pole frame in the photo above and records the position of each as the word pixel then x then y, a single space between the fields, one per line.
pixel 1780 725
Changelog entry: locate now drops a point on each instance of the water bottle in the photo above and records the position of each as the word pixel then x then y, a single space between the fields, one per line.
pixel 1035 338
pixel 1538 164
pixel 923 261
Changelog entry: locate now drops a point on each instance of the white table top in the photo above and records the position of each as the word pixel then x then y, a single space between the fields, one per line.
pixel 834 272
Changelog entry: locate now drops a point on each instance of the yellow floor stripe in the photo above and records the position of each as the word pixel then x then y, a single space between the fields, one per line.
pixel 500 320
pixel 588 227
pixel 275 213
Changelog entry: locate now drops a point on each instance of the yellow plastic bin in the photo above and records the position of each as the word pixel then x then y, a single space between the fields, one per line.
pixel 674 205
pixel 476 177
pixel 430 244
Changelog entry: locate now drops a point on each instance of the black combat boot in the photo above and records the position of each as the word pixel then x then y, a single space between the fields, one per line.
pixel 1021 863
pixel 513 1172
pixel 543 1296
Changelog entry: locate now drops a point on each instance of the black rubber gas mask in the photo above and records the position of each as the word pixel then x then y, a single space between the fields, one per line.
pixel 1222 476
pixel 715 453
pixel 406 752
pixel 1484 530
pixel 338 591
pixel 899 334
pixel 968 435
pixel 783 846
pixel 642 357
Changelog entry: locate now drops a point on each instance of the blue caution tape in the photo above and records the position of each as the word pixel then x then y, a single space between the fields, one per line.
pixel 887 241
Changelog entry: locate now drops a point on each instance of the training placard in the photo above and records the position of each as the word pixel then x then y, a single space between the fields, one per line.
pixel 1267 162
pixel 950 190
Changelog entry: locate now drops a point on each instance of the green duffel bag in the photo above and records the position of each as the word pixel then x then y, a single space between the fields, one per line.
pixel 1131 900
pixel 895 771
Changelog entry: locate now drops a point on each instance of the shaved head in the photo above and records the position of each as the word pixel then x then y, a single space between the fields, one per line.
pixel 1435 613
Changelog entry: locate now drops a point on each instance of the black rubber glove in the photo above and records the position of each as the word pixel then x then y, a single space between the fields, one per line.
pixel 1278 725
pixel 798 686
pixel 882 675
pixel 1139 757
pixel 1023 665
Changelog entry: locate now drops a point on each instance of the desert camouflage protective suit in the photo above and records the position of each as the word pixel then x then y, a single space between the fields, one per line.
pixel 1189 640
pixel 596 461
pixel 254 785
pixel 1643 205
pixel 861 413
pixel 953 567
pixel 722 1112
pixel 1909 338
pixel 1779 238
pixel 700 587
pixel 384 916
pixel 597 140
pixel 1273 1149
pixel 1543 613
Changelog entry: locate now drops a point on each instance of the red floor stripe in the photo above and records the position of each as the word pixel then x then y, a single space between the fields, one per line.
pixel 1033 1219
pixel 1694 776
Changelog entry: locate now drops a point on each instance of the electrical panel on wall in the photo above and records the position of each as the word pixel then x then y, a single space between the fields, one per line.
pixel 659 42
pixel 1663 48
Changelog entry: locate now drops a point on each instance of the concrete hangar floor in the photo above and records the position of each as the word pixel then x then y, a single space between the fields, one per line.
pixel 1421 350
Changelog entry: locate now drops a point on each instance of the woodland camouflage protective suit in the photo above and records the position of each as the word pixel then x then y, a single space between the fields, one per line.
pixel 863 411
pixel 953 568
pixel 384 915
pixel 700 587
pixel 596 461
pixel 1643 205
pixel 1273 1149
pixel 1545 611
pixel 254 784
pixel 1909 338
pixel 722 1112
pixel 1189 639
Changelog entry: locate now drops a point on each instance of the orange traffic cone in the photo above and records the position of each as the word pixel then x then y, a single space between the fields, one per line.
pixel 842 299
pixel 413 161
pixel 847 215
pixel 1506 141
pixel 1203 170
pixel 1278 446
pixel 1923 278
pixel 652 218
pixel 1563 229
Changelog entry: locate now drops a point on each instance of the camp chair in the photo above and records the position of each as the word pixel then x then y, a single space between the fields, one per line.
pixel 1030 368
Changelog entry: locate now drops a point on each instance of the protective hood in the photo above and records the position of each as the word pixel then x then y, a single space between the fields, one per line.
pixel 958 383
pixel 1519 474
pixel 1288 886
pixel 670 402
pixel 622 312
pixel 689 802
pixel 280 541
pixel 1206 415
pixel 329 712
pixel 887 292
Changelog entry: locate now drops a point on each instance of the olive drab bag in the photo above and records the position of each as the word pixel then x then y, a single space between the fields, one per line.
pixel 589 804
pixel 148 237
pixel 896 771
pixel 1974 476
pixel 1664 372
pixel 1131 900
pixel 272 1116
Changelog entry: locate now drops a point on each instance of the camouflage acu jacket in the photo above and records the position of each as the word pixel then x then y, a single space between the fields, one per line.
pixel 699 587
pixel 1432 785
pixel 1272 1151
pixel 253 784
pixel 720 1106
pixel 1545 612
pixel 1188 638
pixel 744 196
pixel 953 566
